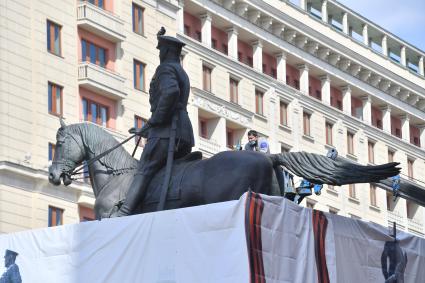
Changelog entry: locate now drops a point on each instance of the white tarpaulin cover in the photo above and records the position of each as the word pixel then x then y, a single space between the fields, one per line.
pixel 256 239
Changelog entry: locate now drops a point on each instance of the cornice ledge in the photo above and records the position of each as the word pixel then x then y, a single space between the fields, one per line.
pixel 221 107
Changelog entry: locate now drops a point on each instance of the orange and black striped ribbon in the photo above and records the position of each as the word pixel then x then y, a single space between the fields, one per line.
pixel 253 213
pixel 320 224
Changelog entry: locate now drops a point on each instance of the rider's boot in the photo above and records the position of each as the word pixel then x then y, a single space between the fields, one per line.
pixel 135 196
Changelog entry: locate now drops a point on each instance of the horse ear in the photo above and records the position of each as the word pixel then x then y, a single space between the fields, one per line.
pixel 63 125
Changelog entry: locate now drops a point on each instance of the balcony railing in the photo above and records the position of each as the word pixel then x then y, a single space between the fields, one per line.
pixel 101 80
pixel 210 147
pixel 100 22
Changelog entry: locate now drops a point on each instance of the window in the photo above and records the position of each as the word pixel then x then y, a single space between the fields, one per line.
pixel 206 78
pixel 411 209
pixel 229 138
pixel 139 122
pixel 95 112
pixel 249 61
pixel 54 99
pixel 98 3
pixel 55 216
pixel 371 152
pixel 297 84
pixel 390 156
pixel 306 123
pixel 240 56
pixel 352 191
pixel 273 73
pixel 225 48
pixel 54 38
pixel 373 196
pixel 93 53
pixel 283 113
pixel 51 152
pixel 350 143
pixel 390 202
pixel 214 43
pixel 259 102
pixel 234 90
pixel 139 75
pixel 203 130
pixel 329 127
pixel 410 168
pixel 187 30
pixel 318 94
pixel 198 36
pixel 138 25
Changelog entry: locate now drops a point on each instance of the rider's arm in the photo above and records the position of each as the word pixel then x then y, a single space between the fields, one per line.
pixel 169 92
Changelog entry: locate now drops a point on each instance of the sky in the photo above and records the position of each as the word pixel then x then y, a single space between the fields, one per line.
pixel 403 18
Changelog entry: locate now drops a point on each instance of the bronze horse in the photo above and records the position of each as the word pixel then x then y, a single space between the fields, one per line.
pixel 223 177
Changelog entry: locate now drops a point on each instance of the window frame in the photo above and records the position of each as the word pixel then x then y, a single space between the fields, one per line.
pixel 53 213
pixel 136 17
pixel 51 99
pixel 329 133
pixel 259 102
pixel 283 112
pixel 136 75
pixel 51 46
pixel 98 118
pixel 371 152
pixel 51 151
pixel 372 195
pixel 86 53
pixel 352 191
pixel 233 90
pixel 139 122
pixel 350 143
pixel 96 3
pixel 206 77
pixel 306 123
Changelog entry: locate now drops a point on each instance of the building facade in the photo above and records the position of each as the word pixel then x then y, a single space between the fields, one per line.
pixel 309 76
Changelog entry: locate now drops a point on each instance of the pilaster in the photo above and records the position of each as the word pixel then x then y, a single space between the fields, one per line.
pixel 257 51
pixel 232 42
pixel 325 11
pixel 405 127
pixel 421 66
pixel 422 135
pixel 384 45
pixel 281 67
pixel 345 26
pixel 365 34
pixel 386 118
pixel 346 99
pixel 303 68
pixel 180 16
pixel 206 28
pixel 367 109
pixel 326 89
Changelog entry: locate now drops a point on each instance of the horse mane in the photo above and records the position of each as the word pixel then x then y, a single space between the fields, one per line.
pixel 97 140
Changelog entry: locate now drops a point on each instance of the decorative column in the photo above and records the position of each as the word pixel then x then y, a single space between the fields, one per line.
pixel 384 45
pixel 386 118
pixel 206 29
pixel 281 67
pixel 326 89
pixel 365 34
pixel 421 66
pixel 303 68
pixel 403 60
pixel 180 16
pixel 232 42
pixel 405 127
pixel 367 109
pixel 346 99
pixel 345 27
pixel 257 51
pixel 325 11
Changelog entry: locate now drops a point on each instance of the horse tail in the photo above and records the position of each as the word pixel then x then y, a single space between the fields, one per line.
pixel 320 169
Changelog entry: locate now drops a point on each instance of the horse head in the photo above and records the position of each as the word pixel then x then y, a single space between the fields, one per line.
pixel 69 152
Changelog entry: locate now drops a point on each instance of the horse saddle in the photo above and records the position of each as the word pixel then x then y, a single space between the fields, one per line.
pixel 180 167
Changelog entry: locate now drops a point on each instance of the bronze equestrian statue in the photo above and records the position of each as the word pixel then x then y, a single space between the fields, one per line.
pixel 124 186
